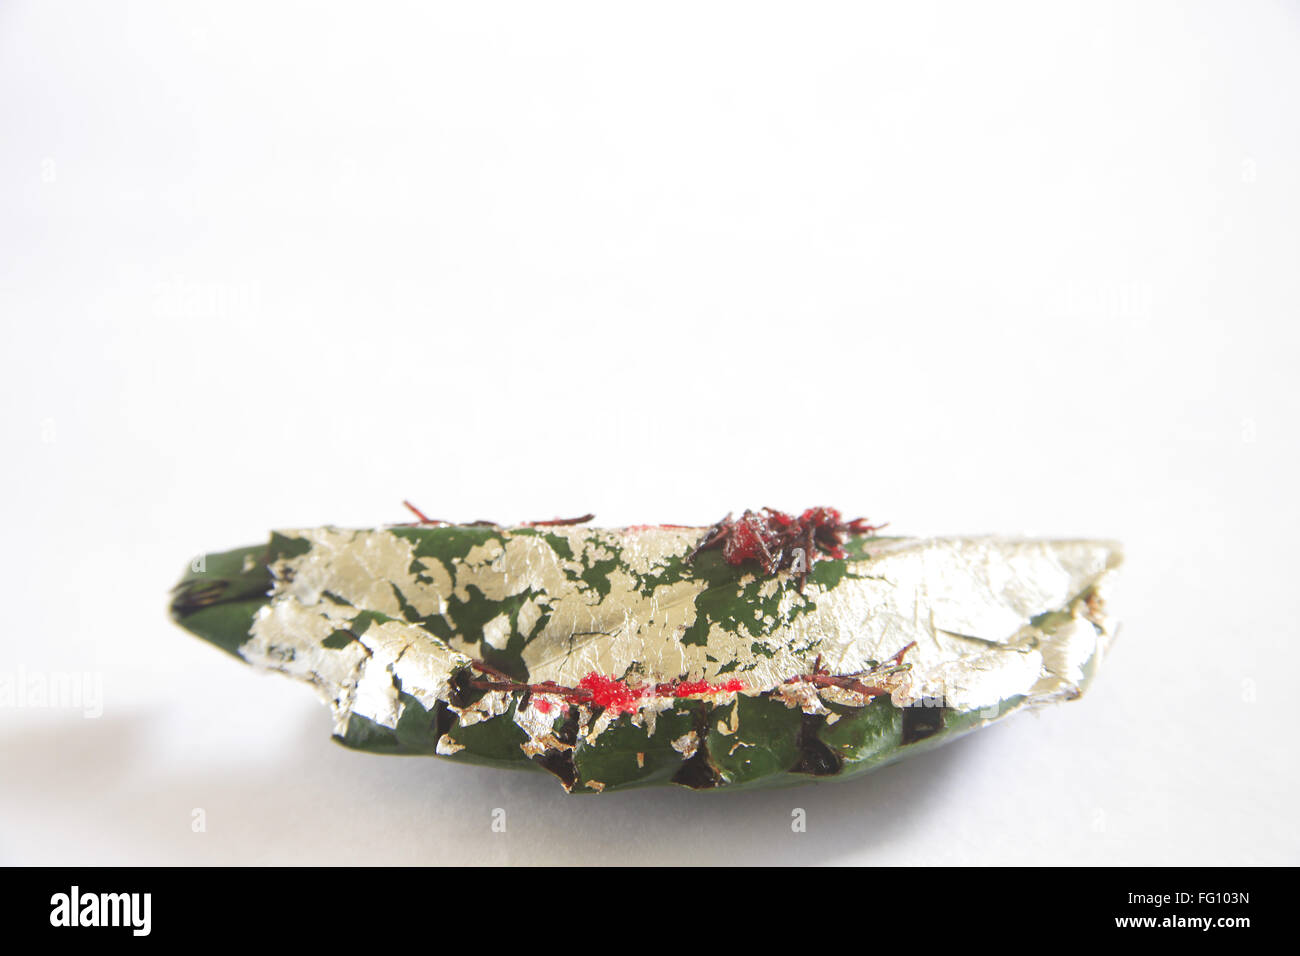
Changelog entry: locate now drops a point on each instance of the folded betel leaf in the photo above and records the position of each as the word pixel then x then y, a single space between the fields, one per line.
pixel 766 650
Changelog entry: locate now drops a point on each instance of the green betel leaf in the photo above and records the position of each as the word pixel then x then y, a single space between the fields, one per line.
pixel 864 735
pixel 753 738
pixel 768 650
pixel 629 755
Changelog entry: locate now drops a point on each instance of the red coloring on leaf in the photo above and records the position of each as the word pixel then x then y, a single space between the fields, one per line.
pixel 610 693
pixel 692 687
pixel 617 696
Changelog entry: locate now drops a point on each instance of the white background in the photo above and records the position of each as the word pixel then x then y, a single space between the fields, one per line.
pixel 966 268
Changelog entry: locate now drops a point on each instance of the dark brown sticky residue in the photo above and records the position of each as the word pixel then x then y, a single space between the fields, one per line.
pixel 815 758
pixel 697 773
pixel 560 763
